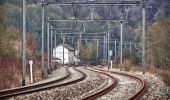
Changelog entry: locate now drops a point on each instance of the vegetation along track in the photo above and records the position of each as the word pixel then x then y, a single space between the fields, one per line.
pixel 134 96
pixel 44 86
pixel 101 92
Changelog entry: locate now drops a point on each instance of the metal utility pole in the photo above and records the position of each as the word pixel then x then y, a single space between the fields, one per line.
pixel 78 50
pixel 79 42
pixel 72 40
pixel 125 45
pixel 104 50
pixel 115 50
pixel 108 43
pixel 63 47
pixel 127 12
pixel 84 27
pixel 143 37
pixel 61 35
pixel 92 13
pixel 24 44
pixel 121 42
pixel 130 49
pixel 42 38
pixel 48 45
pixel 55 44
pixel 86 41
pixel 80 36
pixel 97 49
pixel 52 47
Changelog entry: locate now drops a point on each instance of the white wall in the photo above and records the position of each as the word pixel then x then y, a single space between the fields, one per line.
pixel 71 57
pixel 58 53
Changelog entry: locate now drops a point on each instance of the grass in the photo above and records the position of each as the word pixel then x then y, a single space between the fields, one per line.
pixel 10 73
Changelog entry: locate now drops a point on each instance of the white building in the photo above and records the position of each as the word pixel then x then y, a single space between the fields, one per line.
pixel 69 53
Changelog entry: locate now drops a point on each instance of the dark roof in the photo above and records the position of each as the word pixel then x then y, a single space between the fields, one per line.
pixel 53 58
pixel 56 58
pixel 68 47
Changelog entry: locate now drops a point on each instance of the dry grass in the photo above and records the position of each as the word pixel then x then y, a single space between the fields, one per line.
pixel 10 72
pixel 166 77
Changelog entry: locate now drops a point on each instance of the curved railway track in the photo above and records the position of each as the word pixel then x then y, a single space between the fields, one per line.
pixel 44 86
pixel 141 90
pixel 69 79
pixel 102 91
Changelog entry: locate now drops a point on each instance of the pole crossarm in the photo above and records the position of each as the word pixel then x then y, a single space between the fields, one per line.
pixel 87 20
pixel 125 3
pixel 84 36
pixel 77 33
pixel 52 28
pixel 43 3
pixel 71 31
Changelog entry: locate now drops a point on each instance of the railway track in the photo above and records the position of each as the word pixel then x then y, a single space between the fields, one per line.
pixel 101 92
pixel 105 92
pixel 124 95
pixel 66 80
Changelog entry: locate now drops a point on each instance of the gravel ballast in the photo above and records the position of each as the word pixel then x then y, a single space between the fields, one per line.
pixel 56 74
pixel 125 88
pixel 70 92
pixel 157 89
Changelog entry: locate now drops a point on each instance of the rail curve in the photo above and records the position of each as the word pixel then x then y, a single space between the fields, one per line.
pixel 101 91
pixel 39 87
pixel 142 89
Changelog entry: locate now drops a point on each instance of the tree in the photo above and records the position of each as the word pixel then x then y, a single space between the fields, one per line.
pixel 158 44
pixel 88 53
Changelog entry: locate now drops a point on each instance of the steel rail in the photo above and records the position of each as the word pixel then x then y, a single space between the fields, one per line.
pixel 8 92
pixel 141 91
pixel 44 86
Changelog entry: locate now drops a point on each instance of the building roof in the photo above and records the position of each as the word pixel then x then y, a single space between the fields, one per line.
pixel 68 47
pixel 53 58
pixel 56 58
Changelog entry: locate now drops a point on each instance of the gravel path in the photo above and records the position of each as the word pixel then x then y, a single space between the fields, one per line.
pixel 125 88
pixel 70 92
